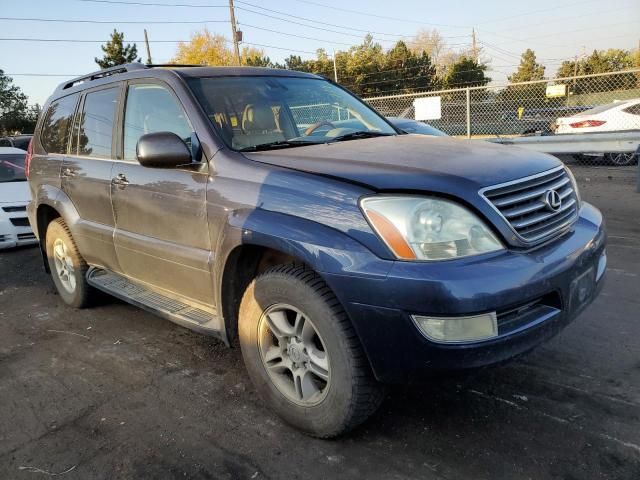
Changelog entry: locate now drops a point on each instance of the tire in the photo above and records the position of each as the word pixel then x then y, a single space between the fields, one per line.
pixel 322 402
pixel 68 268
pixel 622 159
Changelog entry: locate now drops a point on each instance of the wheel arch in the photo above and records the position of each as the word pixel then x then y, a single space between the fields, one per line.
pixel 52 203
pixel 256 240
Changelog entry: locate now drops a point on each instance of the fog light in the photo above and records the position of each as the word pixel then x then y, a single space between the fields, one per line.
pixel 458 329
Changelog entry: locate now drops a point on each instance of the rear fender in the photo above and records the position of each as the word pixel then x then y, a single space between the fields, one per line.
pixel 61 203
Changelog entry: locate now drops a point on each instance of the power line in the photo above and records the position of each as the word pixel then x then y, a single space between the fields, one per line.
pixel 76 40
pixel 294 35
pixel 318 21
pixel 384 17
pixel 152 4
pixel 60 20
pixel 533 12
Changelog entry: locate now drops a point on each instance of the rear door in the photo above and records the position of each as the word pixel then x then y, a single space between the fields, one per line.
pixel 162 235
pixel 86 174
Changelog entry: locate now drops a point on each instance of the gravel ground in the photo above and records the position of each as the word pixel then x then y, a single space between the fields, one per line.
pixel 114 392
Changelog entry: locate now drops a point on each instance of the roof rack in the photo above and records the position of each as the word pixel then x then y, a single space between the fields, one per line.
pixel 127 67
pixel 178 65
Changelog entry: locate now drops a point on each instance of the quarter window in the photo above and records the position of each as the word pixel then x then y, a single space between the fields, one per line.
pixel 96 123
pixel 633 109
pixel 152 108
pixel 57 124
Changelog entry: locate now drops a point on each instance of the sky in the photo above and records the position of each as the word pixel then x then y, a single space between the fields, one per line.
pixel 554 29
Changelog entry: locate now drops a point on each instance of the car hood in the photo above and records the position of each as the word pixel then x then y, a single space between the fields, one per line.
pixel 412 162
pixel 14 192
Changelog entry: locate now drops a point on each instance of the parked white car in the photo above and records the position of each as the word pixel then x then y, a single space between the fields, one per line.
pixel 14 196
pixel 612 117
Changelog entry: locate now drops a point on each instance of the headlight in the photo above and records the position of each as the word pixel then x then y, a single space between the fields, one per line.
pixel 423 228
pixel 574 183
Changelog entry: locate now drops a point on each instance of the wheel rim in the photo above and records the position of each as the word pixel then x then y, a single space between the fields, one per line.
pixel 622 158
pixel 294 355
pixel 64 266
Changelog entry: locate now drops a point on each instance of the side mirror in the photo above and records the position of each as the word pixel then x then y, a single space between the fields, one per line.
pixel 162 150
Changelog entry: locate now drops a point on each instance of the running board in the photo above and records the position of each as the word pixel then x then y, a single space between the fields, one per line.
pixel 183 312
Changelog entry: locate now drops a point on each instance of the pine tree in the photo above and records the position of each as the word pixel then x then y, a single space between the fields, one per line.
pixel 115 53
pixel 528 69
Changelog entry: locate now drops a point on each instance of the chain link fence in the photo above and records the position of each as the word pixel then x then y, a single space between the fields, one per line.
pixel 608 102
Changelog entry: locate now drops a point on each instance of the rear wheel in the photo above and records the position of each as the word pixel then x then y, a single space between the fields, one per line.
pixel 68 268
pixel 622 159
pixel 303 355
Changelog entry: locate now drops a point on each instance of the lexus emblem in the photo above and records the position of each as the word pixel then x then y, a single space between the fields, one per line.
pixel 552 200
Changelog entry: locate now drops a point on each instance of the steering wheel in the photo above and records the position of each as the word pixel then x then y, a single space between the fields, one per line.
pixel 316 126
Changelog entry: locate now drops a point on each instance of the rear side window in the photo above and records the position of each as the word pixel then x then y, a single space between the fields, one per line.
pixel 152 108
pixel 633 109
pixel 57 124
pixel 96 123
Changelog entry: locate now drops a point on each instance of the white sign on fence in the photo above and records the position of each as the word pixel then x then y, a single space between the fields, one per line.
pixel 428 108
pixel 556 91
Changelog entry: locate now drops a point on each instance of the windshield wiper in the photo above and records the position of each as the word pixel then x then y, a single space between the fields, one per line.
pixel 359 134
pixel 278 144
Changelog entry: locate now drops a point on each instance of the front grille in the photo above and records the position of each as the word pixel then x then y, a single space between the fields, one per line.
pixel 22 208
pixel 20 222
pixel 524 204
pixel 26 236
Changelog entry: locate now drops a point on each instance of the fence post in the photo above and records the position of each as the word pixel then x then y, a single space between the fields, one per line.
pixel 468 92
pixel 638 177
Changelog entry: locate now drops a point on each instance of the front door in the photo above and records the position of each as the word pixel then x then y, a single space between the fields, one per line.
pixel 162 236
pixel 86 175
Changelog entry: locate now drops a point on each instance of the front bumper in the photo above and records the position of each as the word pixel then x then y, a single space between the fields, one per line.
pixel 559 279
pixel 15 230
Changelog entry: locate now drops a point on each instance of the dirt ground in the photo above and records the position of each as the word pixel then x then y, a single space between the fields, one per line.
pixel 114 392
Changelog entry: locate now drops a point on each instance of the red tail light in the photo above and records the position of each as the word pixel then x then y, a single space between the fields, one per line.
pixel 27 158
pixel 587 123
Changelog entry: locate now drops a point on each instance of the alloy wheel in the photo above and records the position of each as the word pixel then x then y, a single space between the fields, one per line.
pixel 294 355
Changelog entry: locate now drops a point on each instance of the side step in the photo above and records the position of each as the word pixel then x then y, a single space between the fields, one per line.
pixel 183 312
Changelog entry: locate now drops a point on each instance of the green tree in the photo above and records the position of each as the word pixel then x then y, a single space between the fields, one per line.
pixel 15 113
pixel 115 53
pixel 600 61
pixel 529 69
pixel 466 72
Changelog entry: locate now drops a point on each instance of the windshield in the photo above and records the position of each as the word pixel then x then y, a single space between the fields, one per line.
pixel 274 112
pixel 12 168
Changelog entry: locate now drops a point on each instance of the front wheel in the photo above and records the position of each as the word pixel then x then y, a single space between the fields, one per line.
pixel 303 355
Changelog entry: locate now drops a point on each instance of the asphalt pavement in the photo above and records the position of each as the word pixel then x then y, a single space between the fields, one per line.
pixel 115 392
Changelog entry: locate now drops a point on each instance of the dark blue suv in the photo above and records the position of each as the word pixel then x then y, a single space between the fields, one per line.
pixel 278 212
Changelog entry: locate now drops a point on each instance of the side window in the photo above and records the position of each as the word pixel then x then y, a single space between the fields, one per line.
pixel 633 109
pixel 96 123
pixel 57 124
pixel 152 108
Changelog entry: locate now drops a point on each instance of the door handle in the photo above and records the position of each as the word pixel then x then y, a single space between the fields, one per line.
pixel 68 172
pixel 120 179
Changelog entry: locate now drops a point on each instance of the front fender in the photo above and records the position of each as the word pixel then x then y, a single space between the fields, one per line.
pixel 323 248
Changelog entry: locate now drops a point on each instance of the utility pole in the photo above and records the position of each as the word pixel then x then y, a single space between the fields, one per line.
pixel 474 45
pixel 335 67
pixel 146 42
pixel 234 32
